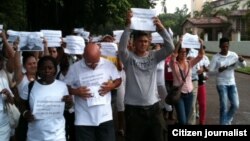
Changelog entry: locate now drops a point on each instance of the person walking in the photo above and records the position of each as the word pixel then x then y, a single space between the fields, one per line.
pixel 182 74
pixel 143 114
pixel 91 80
pixel 46 125
pixel 223 65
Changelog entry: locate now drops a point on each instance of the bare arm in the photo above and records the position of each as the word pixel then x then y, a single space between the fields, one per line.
pixel 18 74
pixel 9 49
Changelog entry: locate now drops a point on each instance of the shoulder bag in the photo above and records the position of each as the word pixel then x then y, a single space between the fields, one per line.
pixel 174 93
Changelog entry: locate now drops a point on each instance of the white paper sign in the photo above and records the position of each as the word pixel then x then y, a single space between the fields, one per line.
pixel 12 36
pixel 48 108
pixel 228 62
pixel 93 80
pixel 74 45
pixel 117 35
pixel 53 37
pixel 30 41
pixel 78 30
pixel 156 38
pixel 143 19
pixel 1 43
pixel 1 102
pixel 83 33
pixel 190 41
pixel 96 38
pixel 108 49
pixel 1 28
pixel 96 99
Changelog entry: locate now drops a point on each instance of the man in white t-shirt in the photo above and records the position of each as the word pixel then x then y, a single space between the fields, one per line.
pixel 223 65
pixel 90 80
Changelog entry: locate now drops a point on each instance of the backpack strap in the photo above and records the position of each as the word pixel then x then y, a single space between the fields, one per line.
pixel 182 74
pixel 31 83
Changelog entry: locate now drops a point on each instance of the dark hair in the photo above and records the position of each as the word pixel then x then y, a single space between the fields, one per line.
pixel 137 34
pixel 26 56
pixel 43 59
pixel 223 40
pixel 187 49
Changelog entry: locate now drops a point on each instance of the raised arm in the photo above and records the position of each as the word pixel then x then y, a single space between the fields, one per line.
pixel 200 55
pixel 168 46
pixel 123 52
pixel 8 48
pixel 18 74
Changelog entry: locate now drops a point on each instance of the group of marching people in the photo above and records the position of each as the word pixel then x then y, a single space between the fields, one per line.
pixel 137 80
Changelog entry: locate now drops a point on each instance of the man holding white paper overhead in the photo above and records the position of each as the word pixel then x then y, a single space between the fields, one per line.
pixel 90 80
pixel 143 115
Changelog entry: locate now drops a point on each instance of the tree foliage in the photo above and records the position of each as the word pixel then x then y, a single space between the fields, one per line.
pixel 96 16
pixel 175 20
pixel 12 14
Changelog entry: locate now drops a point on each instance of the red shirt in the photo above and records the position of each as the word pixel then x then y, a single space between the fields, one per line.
pixel 168 70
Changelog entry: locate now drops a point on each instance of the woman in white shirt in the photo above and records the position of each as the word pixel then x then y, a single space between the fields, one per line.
pixel 46 101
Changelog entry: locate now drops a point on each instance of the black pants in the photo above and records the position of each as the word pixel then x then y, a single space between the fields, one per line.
pixel 145 123
pixel 69 127
pixel 104 132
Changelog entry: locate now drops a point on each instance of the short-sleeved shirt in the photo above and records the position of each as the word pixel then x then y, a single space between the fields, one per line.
pixel 91 115
pixel 49 129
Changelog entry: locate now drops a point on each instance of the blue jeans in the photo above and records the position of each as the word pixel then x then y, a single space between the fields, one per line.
pixel 184 108
pixel 227 92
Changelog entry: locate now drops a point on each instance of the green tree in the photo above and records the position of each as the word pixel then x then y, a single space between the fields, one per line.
pixel 96 16
pixel 12 14
pixel 175 20
pixel 207 10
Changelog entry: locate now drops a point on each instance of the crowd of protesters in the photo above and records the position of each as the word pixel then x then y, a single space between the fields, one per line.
pixel 131 87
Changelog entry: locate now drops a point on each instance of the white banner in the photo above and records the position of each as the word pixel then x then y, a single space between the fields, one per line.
pixel 1 28
pixel 83 33
pixel 30 41
pixel 109 49
pixel 12 36
pixel 74 45
pixel 190 41
pixel 117 35
pixel 156 38
pixel 231 60
pixel 143 19
pixel 93 80
pixel 53 37
pixel 48 108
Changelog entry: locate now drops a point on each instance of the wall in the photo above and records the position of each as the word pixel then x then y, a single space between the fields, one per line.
pixel 241 48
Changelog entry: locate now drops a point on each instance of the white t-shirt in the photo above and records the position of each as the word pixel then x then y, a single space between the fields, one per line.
pixel 227 76
pixel 85 114
pixel 5 130
pixel 49 129
pixel 160 73
pixel 24 82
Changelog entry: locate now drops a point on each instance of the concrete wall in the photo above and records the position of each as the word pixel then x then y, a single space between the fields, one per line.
pixel 241 48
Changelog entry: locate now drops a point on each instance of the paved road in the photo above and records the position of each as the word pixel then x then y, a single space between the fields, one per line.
pixel 243 114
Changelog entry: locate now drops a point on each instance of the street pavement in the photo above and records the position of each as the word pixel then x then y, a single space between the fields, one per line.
pixel 242 116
